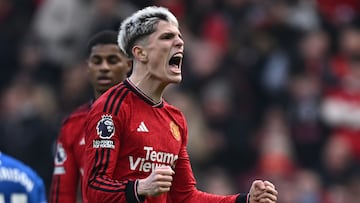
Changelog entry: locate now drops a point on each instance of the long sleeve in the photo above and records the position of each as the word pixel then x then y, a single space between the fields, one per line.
pixel 66 175
pixel 102 150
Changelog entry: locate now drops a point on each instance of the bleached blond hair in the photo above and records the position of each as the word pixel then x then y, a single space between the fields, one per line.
pixel 140 24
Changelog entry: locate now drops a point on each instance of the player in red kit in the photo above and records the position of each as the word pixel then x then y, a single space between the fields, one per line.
pixel 107 66
pixel 135 141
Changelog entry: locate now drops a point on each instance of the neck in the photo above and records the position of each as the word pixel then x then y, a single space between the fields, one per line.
pixel 97 94
pixel 151 88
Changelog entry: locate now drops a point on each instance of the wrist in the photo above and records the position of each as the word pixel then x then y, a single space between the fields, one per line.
pixel 139 187
pixel 139 196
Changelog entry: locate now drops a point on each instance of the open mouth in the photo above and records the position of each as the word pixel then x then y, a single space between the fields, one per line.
pixel 176 59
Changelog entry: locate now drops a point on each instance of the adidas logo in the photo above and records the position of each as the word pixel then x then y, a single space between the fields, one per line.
pixel 142 127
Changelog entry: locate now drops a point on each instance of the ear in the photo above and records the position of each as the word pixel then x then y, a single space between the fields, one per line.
pixel 139 53
pixel 129 64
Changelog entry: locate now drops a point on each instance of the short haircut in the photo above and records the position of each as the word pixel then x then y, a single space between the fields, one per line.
pixel 103 37
pixel 140 24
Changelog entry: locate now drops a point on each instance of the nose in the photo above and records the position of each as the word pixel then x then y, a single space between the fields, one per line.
pixel 179 42
pixel 104 66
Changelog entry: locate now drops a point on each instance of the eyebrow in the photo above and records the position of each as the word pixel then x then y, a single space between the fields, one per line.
pixel 172 33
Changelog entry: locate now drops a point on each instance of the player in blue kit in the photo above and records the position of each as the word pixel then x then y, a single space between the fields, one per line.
pixel 19 183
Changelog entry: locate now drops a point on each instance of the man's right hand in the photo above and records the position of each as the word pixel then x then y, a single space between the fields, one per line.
pixel 158 182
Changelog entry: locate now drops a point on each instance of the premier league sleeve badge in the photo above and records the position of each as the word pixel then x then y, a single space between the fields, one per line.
pixel 105 127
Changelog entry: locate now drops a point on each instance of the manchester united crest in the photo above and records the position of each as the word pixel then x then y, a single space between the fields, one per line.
pixel 175 130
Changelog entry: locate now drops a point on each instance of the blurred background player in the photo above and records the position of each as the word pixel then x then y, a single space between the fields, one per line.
pixel 19 183
pixel 107 66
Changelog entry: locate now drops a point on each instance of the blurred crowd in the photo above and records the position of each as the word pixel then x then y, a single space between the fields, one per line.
pixel 271 88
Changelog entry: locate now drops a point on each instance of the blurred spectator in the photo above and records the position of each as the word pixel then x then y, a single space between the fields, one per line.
pixel 75 88
pixel 303 15
pixel 354 187
pixel 276 159
pixel 309 187
pixel 314 50
pixel 107 15
pixel 32 63
pixel 27 127
pixel 339 172
pixel 276 153
pixel 306 128
pixel 177 7
pixel 338 162
pixel 15 17
pixel 217 181
pixel 348 45
pixel 274 76
pixel 205 64
pixel 200 147
pixel 341 107
pixel 60 34
pixel 228 132
pixel 338 12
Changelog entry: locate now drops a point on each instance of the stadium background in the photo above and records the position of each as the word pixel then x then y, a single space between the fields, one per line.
pixel 271 88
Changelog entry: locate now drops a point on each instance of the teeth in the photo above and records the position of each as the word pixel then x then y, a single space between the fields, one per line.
pixel 178 55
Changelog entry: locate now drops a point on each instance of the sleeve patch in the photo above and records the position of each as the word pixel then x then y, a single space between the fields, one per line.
pixel 105 127
pixel 59 170
pixel 60 156
pixel 103 144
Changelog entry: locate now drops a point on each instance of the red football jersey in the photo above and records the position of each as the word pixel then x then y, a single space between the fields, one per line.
pixel 68 168
pixel 127 136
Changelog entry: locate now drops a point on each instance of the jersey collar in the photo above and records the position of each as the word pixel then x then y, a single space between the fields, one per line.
pixel 142 95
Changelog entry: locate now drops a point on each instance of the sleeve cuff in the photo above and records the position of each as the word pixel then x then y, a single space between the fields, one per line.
pixel 242 198
pixel 131 193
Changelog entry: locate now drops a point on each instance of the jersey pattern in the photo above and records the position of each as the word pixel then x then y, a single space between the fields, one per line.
pixel 19 183
pixel 127 136
pixel 70 146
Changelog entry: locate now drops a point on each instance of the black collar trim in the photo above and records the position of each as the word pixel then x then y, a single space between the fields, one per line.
pixel 142 95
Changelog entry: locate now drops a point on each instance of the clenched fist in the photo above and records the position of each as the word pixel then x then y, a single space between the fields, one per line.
pixel 158 182
pixel 262 192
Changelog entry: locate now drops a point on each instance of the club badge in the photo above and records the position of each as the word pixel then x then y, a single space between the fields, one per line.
pixel 175 130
